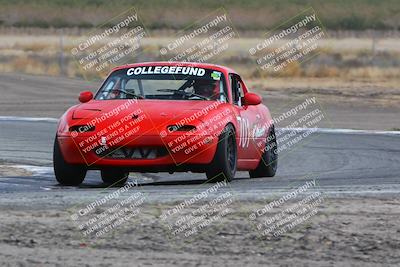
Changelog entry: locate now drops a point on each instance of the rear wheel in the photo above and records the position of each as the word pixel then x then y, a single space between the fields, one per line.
pixel 114 176
pixel 269 159
pixel 66 174
pixel 223 166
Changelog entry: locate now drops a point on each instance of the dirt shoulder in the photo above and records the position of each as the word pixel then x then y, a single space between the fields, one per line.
pixel 345 232
pixel 368 92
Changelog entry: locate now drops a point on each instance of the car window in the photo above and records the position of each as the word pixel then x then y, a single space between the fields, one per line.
pixel 237 89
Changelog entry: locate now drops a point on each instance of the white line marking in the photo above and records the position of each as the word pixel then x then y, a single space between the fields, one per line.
pixel 13 118
pixel 36 170
pixel 344 131
pixel 319 130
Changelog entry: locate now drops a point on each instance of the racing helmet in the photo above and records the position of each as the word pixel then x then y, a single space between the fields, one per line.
pixel 207 88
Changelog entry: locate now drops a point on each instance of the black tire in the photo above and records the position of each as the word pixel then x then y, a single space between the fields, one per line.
pixel 269 160
pixel 66 174
pixel 114 176
pixel 223 165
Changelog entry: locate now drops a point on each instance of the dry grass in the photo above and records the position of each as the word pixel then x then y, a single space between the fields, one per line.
pixel 325 71
pixel 40 55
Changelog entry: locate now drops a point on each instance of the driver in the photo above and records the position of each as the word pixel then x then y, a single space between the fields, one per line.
pixel 207 88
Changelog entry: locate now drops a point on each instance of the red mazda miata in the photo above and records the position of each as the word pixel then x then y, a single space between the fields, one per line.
pixel 166 117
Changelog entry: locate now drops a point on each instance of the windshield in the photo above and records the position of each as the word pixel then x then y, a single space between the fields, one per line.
pixel 164 82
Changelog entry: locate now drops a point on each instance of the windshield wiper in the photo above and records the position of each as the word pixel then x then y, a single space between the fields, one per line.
pixel 181 92
pixel 132 94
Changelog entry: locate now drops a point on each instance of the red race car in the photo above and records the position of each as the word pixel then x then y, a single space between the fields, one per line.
pixel 166 117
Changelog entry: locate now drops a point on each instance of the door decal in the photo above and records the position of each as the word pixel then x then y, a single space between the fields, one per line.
pixel 245 133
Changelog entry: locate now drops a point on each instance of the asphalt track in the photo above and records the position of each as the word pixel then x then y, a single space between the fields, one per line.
pixel 342 161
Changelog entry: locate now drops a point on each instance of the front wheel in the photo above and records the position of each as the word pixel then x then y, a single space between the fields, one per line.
pixel 269 159
pixel 223 166
pixel 114 176
pixel 66 174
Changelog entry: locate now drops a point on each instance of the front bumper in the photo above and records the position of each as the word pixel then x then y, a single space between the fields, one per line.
pixel 175 154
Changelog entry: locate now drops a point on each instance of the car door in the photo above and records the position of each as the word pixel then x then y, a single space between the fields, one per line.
pixel 247 117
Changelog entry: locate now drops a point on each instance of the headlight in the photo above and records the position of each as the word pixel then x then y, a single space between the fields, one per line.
pixel 181 128
pixel 82 128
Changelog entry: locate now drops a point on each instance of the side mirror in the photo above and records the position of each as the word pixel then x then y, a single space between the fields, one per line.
pixel 252 99
pixel 85 96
